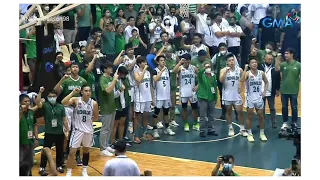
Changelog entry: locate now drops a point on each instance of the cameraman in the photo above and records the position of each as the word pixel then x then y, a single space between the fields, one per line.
pixel 227 163
pixel 294 170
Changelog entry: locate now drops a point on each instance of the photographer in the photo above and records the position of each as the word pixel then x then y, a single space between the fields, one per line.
pixel 294 170
pixel 227 162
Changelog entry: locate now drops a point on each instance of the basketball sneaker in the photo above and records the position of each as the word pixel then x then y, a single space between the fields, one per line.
pixel 156 133
pixel 186 127
pixel 84 172
pixel 106 153
pixel 169 131
pixel 196 127
pixel 263 137
pixel 159 125
pixel 149 127
pixel 250 138
pixel 110 149
pixel 243 133
pixel 174 124
pixel 231 132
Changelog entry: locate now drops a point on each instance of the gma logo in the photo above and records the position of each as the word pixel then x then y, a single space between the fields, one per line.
pixel 274 23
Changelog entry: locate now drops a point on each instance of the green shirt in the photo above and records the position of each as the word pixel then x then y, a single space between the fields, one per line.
pixel 221 62
pixel 89 77
pixel 290 80
pixel 109 42
pixel 219 173
pixel 197 63
pixel 84 20
pixel 159 45
pixel 205 85
pixel 113 10
pixel 120 43
pixel 170 63
pixel 53 112
pixel 70 84
pixel 107 101
pixel 31 47
pixel 26 124
pixel 98 16
pixel 134 41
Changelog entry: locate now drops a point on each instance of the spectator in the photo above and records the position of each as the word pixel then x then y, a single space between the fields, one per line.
pixel 220 33
pixel 234 13
pixel 172 18
pixel 227 162
pixel 164 41
pixel 143 33
pixel 98 15
pixel 120 19
pixel 121 165
pixel 155 28
pixel 258 11
pixel 207 95
pixel 267 34
pixel 106 20
pixel 109 42
pixel 59 66
pixel 226 18
pixel 136 40
pixel 69 27
pixel 95 37
pixel 84 22
pixel 128 29
pixel 201 18
pixel 209 36
pixel 130 12
pixel 107 104
pixel 234 37
pixel 290 81
pixel 159 13
pixel 273 77
pixel 55 126
pixel 196 46
pixel 246 40
pixel 268 49
pixel 169 28
pixel 28 134
pixel 75 56
pixel 200 59
pixel 120 39
pixel 187 28
pixel 88 75
pixel 31 53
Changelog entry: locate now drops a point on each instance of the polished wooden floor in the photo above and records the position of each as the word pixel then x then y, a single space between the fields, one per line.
pixel 159 165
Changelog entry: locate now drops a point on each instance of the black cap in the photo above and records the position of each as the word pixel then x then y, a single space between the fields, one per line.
pixel 120 146
pixel 186 56
pixel 202 52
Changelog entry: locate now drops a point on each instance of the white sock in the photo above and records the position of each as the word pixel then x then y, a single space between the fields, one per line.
pixel 249 131
pixel 69 171
pixel 241 127
pixel 261 131
pixel 230 126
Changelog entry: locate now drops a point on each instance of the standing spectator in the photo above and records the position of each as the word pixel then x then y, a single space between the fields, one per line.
pixel 55 124
pixel 196 46
pixel 226 18
pixel 128 29
pixel 234 13
pixel 207 95
pixel 121 165
pixel 155 28
pixel 69 27
pixel 273 77
pixel 31 53
pixel 267 34
pixel 106 19
pixel 290 81
pixel 120 19
pixel 98 15
pixel 75 56
pixel 220 33
pixel 88 75
pixel 234 37
pixel 200 59
pixel 120 39
pixel 136 41
pixel 59 66
pixel 113 8
pixel 109 42
pixel 187 28
pixel 169 28
pixel 107 84
pixel 268 49
pixel 246 40
pixel 159 13
pixel 172 18
pixel 28 134
pixel 209 36
pixel 130 12
pixel 201 18
pixel 143 32
pixel 85 23
pixel 258 11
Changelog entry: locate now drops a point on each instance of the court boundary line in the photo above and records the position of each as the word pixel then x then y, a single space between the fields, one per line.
pixel 206 141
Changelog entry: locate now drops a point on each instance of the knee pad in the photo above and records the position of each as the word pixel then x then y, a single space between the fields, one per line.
pixel 156 112
pixel 165 111
pixel 184 105
pixel 194 105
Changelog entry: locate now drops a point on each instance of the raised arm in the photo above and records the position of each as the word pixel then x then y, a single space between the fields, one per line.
pixel 38 99
pixel 118 59
pixel 223 74
pixel 58 86
pixel 244 75
pixel 184 46
pixel 177 68
pixel 138 77
pixel 90 66
pixel 69 100
pixel 110 88
pixel 157 77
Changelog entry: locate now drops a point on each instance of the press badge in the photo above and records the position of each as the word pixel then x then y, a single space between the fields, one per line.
pixel 30 135
pixel 213 90
pixel 98 71
pixel 54 122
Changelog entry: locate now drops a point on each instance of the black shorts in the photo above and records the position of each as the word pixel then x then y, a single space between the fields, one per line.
pixel 121 114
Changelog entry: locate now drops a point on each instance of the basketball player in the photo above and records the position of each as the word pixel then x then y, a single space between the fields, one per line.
pixel 161 80
pixel 64 87
pixel 254 97
pixel 85 112
pixel 187 76
pixel 143 98
pixel 230 79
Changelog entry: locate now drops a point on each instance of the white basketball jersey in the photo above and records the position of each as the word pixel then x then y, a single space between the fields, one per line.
pixel 254 87
pixel 194 50
pixel 162 87
pixel 83 116
pixel 187 81
pixel 231 86
pixel 142 90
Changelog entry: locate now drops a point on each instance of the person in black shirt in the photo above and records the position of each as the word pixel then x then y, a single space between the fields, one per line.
pixel 69 28
pixel 143 32
pixel 268 34
pixel 76 55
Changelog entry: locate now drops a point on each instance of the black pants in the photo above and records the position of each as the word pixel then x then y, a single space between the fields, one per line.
pixel 246 42
pixel 58 140
pixel 220 93
pixel 26 153
pixel 213 50
pixel 83 33
pixel 234 50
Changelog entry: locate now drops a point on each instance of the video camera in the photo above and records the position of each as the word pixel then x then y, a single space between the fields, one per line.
pixel 227 166
pixel 295 134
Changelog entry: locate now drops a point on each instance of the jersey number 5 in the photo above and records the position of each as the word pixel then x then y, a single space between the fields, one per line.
pixel 164 83
pixel 84 118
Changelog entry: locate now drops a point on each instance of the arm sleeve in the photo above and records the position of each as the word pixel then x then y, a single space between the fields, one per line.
pixel 136 171
pixel 106 170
